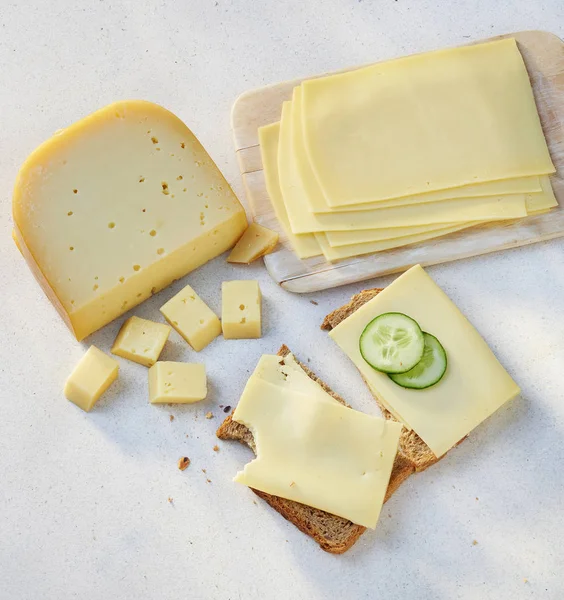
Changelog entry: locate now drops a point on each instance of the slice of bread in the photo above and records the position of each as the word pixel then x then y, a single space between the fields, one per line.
pixel 333 534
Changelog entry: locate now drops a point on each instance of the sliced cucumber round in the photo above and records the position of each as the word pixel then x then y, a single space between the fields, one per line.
pixel 392 343
pixel 429 370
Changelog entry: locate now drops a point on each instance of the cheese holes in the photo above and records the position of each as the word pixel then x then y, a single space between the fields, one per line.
pixel 141 179
pixel 182 145
pixel 136 267
pixel 160 251
pixel 121 279
pixel 75 191
pixel 111 225
pixel 95 287
pixel 152 233
pixel 179 178
pixel 71 248
pixel 164 186
pixel 154 140
pixel 70 213
pixel 241 307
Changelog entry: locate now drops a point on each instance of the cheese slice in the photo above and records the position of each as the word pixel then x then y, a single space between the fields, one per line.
pixel 316 202
pixel 475 384
pixel 445 211
pixel 116 207
pixel 316 452
pixel 353 240
pixel 305 246
pixel 423 123
pixel 340 252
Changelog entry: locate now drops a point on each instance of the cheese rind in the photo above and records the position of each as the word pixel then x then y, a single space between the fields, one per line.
pixel 91 377
pixel 475 384
pixel 141 341
pixel 114 208
pixel 241 310
pixel 255 242
pixel 317 452
pixel 176 382
pixel 192 318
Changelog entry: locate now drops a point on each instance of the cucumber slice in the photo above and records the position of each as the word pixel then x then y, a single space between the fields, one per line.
pixel 429 370
pixel 392 343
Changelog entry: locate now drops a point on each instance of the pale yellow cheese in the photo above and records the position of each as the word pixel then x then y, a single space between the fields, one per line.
pixel 340 252
pixel 91 377
pixel 241 310
pixel 475 384
pixel 317 452
pixel 192 318
pixel 316 202
pixel 117 206
pixel 255 242
pixel 305 246
pixel 446 211
pixel 542 201
pixel 176 382
pixel 141 341
pixel 423 123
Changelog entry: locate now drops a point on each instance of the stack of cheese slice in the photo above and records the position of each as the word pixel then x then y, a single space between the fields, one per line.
pixel 312 449
pixel 407 150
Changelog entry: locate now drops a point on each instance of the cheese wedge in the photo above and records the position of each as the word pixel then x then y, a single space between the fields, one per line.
pixel 255 242
pixel 475 384
pixel 117 206
pixel 468 115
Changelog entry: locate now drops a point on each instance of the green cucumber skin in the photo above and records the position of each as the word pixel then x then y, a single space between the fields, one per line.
pixel 413 386
pixel 365 332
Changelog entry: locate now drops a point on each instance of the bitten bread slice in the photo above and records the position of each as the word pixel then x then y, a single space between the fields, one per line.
pixel 411 445
pixel 333 534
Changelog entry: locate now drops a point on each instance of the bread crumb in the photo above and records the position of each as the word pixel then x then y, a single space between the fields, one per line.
pixel 525 580
pixel 203 471
pixel 216 448
pixel 476 497
pixel 314 302
pixel 208 480
pixel 255 502
pixel 209 415
pixel 227 409
pixel 474 542
pixel 183 463
pixel 293 484
pixel 170 500
pixel 171 417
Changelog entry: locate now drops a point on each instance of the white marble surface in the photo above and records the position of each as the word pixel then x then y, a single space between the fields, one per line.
pixel 84 510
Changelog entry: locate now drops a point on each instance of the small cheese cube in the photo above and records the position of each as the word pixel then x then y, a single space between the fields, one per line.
pixel 256 242
pixel 241 310
pixel 92 376
pixel 183 383
pixel 141 341
pixel 192 318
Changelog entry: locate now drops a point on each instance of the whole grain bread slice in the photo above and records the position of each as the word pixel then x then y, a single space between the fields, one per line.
pixel 333 534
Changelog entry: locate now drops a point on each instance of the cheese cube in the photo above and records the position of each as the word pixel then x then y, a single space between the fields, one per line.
pixel 177 382
pixel 141 341
pixel 92 376
pixel 256 242
pixel 241 310
pixel 116 207
pixel 192 318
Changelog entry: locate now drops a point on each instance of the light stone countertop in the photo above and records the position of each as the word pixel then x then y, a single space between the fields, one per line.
pixel 84 510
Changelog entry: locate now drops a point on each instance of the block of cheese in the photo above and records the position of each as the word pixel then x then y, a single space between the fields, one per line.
pixel 176 382
pixel 241 310
pixel 255 242
pixel 192 318
pixel 469 115
pixel 91 377
pixel 316 202
pixel 305 246
pixel 117 206
pixel 317 452
pixel 141 341
pixel 456 210
pixel 475 384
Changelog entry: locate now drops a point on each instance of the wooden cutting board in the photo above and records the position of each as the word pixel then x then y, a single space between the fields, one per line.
pixel 543 53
